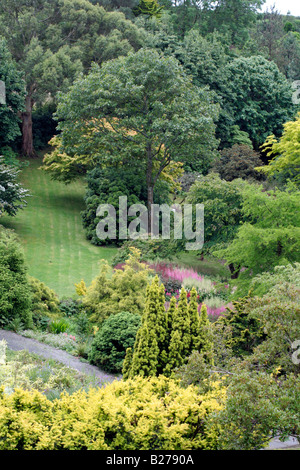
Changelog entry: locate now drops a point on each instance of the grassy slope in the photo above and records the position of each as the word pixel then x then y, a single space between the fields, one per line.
pixel 51 232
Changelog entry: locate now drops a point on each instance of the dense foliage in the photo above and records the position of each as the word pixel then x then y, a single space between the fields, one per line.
pixel 256 97
pixel 239 161
pixel 270 236
pixel 44 303
pixel 15 297
pixel 222 205
pixel 123 415
pixel 116 334
pixel 124 291
pixel 285 163
pixel 14 96
pixel 166 103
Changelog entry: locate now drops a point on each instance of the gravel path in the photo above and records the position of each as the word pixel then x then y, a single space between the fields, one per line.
pixel 17 343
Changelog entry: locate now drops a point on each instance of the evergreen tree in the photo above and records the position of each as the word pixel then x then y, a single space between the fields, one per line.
pixel 180 340
pixel 170 319
pixel 175 358
pixel 162 329
pixel 133 366
pixel 149 354
pixel 145 356
pixel 127 363
pixel 194 321
pixel 182 322
pixel 167 338
pixel 205 336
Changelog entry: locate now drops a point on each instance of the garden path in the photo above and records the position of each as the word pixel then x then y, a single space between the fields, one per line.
pixel 17 343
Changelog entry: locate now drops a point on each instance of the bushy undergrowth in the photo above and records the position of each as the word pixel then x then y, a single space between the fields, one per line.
pixel 139 414
pixel 15 296
pixel 123 291
pixel 44 303
pixel 21 370
pixel 62 341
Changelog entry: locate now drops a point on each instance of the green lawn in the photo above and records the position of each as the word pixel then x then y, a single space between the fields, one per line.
pixel 51 232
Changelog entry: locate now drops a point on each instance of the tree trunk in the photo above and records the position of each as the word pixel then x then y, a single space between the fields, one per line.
pixel 234 272
pixel 27 137
pixel 150 186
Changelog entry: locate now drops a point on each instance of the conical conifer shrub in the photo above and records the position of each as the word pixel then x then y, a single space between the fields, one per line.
pixel 149 354
pixel 180 337
pixel 175 357
pixel 182 322
pixel 206 339
pixel 194 321
pixel 127 364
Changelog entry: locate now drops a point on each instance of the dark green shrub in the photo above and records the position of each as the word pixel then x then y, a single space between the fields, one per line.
pixel 239 161
pixel 105 186
pixel 151 250
pixel 247 332
pixel 10 157
pixel 109 346
pixel 15 293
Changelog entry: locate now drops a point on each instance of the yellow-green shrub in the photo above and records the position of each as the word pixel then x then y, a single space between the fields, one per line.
pixel 44 303
pixel 124 291
pixel 139 414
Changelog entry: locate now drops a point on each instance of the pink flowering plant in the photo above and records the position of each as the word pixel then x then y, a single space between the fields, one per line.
pixel 211 293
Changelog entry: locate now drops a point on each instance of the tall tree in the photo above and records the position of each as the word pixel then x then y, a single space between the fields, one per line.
pixel 271 235
pixel 233 18
pixel 269 32
pixel 52 41
pixel 257 97
pixel 14 96
pixel 143 110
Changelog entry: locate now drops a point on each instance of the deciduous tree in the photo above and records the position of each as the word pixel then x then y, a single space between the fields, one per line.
pixel 139 109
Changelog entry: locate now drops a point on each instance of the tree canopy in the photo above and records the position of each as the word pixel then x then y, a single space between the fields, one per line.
pixel 138 110
pixel 14 100
pixel 53 41
pixel 270 235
